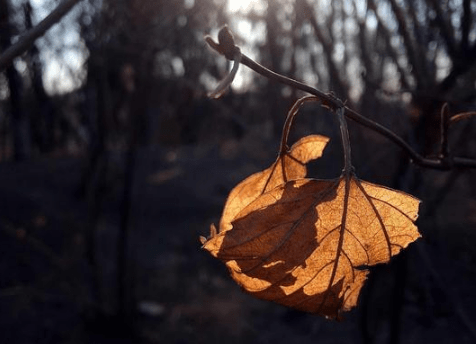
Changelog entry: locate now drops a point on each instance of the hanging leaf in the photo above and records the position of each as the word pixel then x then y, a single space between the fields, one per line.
pixel 307 243
pixel 290 165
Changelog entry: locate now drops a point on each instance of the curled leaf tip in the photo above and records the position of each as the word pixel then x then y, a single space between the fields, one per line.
pixel 213 233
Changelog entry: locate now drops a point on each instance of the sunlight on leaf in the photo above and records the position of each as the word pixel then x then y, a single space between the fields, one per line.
pixel 288 166
pixel 307 243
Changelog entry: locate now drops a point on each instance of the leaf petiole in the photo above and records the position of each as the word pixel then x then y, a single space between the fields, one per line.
pixel 344 132
pixel 290 118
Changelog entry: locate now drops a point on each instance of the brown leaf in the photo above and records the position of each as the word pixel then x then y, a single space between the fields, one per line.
pixel 288 166
pixel 307 243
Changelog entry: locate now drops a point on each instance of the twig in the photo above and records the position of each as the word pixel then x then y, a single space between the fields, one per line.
pixel 444 124
pixel 289 120
pixel 37 245
pixel 25 41
pixel 345 141
pixel 61 264
pixel 329 100
pixel 461 116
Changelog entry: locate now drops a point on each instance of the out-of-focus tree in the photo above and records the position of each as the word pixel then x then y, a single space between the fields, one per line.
pixel 42 122
pixel 149 53
pixel 18 116
pixel 43 62
pixel 147 67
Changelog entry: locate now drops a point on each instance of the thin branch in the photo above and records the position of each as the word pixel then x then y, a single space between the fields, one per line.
pixel 37 245
pixel 290 118
pixel 444 124
pixel 462 116
pixel 61 264
pixel 331 101
pixel 27 39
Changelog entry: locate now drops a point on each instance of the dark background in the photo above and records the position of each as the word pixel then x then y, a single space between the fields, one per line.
pixel 106 186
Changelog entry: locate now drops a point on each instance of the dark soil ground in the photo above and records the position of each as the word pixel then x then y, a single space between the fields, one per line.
pixel 181 294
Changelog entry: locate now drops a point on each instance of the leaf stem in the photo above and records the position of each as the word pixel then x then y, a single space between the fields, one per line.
pixel 290 118
pixel 344 132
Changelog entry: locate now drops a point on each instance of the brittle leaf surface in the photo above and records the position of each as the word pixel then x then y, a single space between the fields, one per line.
pixel 307 243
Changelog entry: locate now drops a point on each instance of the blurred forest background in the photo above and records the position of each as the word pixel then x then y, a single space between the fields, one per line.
pixel 113 162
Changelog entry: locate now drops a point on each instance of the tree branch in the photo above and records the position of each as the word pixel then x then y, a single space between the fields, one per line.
pixel 27 39
pixel 329 100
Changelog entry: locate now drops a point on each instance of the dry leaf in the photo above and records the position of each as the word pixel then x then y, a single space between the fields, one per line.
pixel 307 243
pixel 288 166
